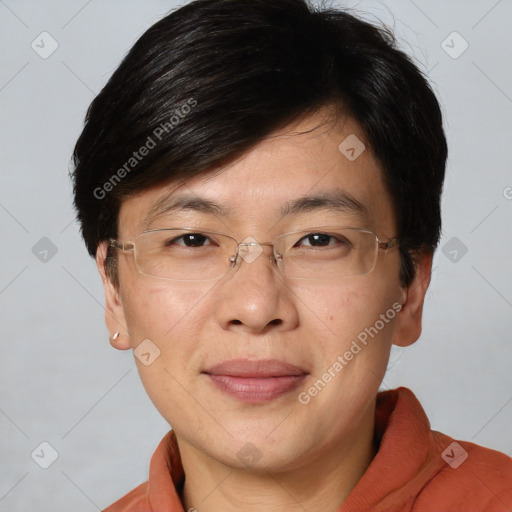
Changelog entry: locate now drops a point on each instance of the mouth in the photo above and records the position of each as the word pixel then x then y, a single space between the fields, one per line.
pixel 255 381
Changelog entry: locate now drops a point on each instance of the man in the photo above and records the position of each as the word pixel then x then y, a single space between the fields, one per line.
pixel 259 182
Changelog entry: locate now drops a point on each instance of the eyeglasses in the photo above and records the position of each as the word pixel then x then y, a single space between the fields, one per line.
pixel 192 254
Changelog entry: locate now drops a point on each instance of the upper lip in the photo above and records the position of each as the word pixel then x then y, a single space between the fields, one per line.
pixel 255 368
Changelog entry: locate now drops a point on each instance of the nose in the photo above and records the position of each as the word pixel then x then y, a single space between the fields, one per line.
pixel 254 297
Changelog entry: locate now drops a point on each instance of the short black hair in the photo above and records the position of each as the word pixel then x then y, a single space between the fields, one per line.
pixel 210 80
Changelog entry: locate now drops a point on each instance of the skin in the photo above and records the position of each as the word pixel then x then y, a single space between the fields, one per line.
pixel 312 455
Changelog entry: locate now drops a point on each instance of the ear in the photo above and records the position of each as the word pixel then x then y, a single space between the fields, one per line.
pixel 114 311
pixel 408 323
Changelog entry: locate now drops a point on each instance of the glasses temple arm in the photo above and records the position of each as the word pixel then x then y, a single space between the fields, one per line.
pixel 389 244
pixel 128 246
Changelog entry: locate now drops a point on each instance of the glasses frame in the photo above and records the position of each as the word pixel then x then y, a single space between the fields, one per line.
pixel 130 247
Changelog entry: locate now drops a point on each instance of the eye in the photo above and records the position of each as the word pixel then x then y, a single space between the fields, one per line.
pixel 189 240
pixel 322 240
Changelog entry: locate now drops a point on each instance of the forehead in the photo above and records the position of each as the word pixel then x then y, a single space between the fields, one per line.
pixel 314 158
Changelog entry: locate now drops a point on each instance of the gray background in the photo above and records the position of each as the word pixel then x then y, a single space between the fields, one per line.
pixel 62 383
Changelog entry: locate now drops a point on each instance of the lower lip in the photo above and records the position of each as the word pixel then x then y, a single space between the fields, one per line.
pixel 256 389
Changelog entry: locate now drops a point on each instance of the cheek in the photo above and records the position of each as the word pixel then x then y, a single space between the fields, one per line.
pixel 350 353
pixel 168 315
pixel 155 309
pixel 339 314
pixel 172 318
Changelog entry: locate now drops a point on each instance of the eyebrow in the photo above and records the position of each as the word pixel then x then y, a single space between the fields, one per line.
pixel 185 202
pixel 338 201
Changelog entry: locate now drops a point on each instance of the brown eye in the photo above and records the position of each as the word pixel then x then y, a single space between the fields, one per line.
pixel 189 240
pixel 321 240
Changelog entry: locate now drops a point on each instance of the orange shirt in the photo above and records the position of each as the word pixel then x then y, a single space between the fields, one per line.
pixel 415 469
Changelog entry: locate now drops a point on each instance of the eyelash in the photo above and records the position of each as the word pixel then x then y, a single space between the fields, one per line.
pixel 305 237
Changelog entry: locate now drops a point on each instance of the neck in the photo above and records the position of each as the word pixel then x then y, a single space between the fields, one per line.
pixel 322 482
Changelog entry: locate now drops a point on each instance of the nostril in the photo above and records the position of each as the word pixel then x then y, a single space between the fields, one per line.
pixel 276 321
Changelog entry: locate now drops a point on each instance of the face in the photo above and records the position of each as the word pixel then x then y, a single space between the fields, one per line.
pixel 290 415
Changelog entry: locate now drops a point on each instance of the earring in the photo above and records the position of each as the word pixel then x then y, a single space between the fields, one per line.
pixel 116 335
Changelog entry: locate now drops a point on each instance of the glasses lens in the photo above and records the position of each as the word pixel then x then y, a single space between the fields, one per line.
pixel 187 254
pixel 184 254
pixel 332 253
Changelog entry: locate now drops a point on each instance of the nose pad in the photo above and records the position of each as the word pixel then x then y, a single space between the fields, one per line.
pixel 249 249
